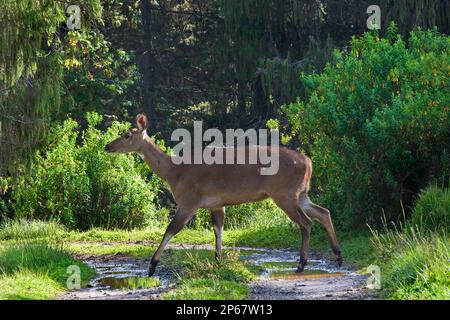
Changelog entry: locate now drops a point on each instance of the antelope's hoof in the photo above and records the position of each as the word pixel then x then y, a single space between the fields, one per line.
pixel 152 268
pixel 151 271
pixel 301 266
pixel 339 260
pixel 300 269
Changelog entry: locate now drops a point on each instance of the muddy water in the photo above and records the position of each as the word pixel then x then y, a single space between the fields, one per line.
pixel 122 278
pixel 321 279
pixel 125 277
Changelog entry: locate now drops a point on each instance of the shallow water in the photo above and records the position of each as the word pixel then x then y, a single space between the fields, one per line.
pixel 125 277
pixel 128 283
pixel 291 274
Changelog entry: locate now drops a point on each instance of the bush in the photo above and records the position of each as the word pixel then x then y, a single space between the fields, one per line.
pixel 263 214
pixel 81 186
pixel 432 209
pixel 377 123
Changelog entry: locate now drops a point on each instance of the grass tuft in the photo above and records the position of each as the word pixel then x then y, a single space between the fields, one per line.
pixel 36 270
pixel 31 229
pixel 415 264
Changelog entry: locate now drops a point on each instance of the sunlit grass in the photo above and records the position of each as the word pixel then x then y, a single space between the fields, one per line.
pixel 36 270
pixel 203 278
pixel 31 229
pixel 28 285
pixel 415 264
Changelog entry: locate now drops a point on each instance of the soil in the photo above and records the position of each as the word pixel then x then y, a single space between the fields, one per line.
pixel 123 277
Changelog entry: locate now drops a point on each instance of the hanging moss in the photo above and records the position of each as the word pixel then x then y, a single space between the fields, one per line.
pixel 30 73
pixel 272 36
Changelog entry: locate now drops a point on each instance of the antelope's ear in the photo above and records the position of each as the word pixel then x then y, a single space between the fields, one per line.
pixel 142 121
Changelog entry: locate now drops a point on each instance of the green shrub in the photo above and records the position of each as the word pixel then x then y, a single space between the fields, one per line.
pixel 377 123
pixel 262 214
pixel 432 210
pixel 78 184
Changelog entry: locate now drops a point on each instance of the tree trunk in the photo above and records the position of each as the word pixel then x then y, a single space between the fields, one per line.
pixel 148 65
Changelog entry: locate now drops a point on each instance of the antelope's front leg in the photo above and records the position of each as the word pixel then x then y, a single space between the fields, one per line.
pixel 182 216
pixel 218 218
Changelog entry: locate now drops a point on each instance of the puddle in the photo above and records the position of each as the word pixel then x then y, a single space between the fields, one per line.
pixel 282 264
pixel 128 283
pixel 290 274
pixel 125 277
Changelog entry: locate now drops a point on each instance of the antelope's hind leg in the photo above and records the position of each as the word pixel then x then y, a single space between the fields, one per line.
pixel 291 207
pixel 323 216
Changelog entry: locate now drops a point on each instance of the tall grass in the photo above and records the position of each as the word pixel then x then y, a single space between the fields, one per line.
pixel 30 229
pixel 415 264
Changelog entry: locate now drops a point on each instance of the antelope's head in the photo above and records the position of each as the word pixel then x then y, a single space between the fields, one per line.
pixel 132 140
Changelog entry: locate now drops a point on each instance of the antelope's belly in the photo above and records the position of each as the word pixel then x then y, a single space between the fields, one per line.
pixel 224 200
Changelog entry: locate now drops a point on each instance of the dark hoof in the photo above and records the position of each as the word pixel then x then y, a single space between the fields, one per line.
pixel 302 265
pixel 152 268
pixel 151 271
pixel 300 269
pixel 339 261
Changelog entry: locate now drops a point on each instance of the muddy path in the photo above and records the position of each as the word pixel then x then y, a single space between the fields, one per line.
pixel 123 277
pixel 321 279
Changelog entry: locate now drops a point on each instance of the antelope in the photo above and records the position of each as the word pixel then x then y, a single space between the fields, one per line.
pixel 214 186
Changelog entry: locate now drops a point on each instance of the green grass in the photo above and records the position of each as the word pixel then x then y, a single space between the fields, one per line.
pixel 208 289
pixel 138 251
pixel 28 285
pixel 36 270
pixel 203 278
pixel 414 264
pixel 34 229
pixel 199 275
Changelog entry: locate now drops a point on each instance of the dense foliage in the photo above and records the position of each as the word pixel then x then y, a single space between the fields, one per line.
pixel 31 73
pixel 82 186
pixel 377 124
pixel 432 209
pixel 230 63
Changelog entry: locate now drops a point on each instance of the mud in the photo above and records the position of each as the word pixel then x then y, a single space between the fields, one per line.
pixel 322 279
pixel 124 277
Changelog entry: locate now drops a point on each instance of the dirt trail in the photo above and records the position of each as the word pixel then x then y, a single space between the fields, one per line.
pixel 122 277
pixel 321 279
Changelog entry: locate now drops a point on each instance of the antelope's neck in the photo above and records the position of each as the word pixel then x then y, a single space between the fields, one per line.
pixel 158 161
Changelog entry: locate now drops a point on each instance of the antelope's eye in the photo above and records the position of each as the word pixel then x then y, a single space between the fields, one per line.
pixel 126 135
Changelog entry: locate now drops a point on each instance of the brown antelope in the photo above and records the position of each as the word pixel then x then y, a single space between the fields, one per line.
pixel 215 186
